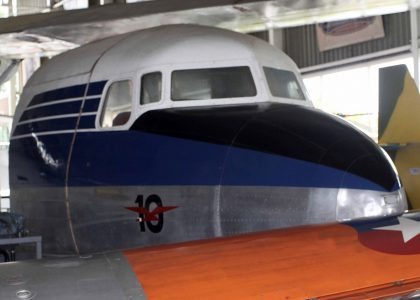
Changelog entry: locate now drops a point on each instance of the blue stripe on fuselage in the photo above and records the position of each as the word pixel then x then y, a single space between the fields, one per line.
pixel 91 105
pixel 64 108
pixel 65 123
pixel 32 118
pixel 75 91
pixel 37 161
pixel 60 124
pixel 127 158
pixel 52 110
pixel 87 122
pixel 136 158
pixel 96 88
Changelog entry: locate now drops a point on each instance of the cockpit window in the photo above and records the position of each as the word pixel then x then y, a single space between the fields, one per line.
pixel 214 83
pixel 117 106
pixel 283 84
pixel 151 88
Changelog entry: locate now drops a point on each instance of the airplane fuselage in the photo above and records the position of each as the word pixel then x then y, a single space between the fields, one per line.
pixel 181 133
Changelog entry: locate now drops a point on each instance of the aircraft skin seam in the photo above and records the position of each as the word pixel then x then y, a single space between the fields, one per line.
pixel 217 197
pixel 70 153
pixel 68 166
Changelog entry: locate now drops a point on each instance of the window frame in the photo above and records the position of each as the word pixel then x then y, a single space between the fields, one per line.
pixel 298 81
pixel 307 102
pixel 108 84
pixel 140 86
pixel 244 67
pixel 253 67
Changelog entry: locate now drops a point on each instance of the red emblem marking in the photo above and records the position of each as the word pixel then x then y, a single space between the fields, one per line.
pixel 389 242
pixel 151 215
pixel 401 238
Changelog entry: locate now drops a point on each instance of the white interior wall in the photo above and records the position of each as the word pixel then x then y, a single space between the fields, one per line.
pixel 352 91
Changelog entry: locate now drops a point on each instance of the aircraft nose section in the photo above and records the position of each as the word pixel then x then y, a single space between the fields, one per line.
pixel 369 185
pixel 303 153
pixel 364 164
pixel 370 202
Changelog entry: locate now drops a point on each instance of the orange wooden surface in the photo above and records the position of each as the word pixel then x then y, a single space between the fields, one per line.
pixel 299 263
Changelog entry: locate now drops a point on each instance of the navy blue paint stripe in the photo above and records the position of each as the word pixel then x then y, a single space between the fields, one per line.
pixel 149 159
pixel 96 88
pixel 132 158
pixel 87 122
pixel 48 125
pixel 52 110
pixel 91 105
pixel 249 167
pixel 75 91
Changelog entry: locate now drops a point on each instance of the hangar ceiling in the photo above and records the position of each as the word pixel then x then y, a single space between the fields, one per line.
pixel 53 32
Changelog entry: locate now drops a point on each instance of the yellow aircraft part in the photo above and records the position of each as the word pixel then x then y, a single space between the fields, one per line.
pixel 402 127
pixel 407 162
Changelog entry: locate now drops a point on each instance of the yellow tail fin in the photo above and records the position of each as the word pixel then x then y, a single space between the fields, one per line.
pixel 399 107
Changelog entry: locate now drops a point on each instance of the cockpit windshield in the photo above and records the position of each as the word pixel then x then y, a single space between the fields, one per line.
pixel 283 84
pixel 214 83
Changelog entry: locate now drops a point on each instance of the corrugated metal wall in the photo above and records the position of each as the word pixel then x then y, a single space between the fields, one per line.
pixel 301 45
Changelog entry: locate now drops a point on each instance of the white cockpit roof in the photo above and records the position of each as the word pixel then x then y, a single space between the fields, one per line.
pixel 166 49
pixel 171 44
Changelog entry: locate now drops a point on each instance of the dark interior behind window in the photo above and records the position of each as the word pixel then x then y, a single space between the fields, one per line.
pixel 214 83
pixel 283 84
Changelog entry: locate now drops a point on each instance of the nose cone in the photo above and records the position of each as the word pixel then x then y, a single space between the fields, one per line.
pixel 338 154
pixel 359 157
pixel 309 150
pixel 384 198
